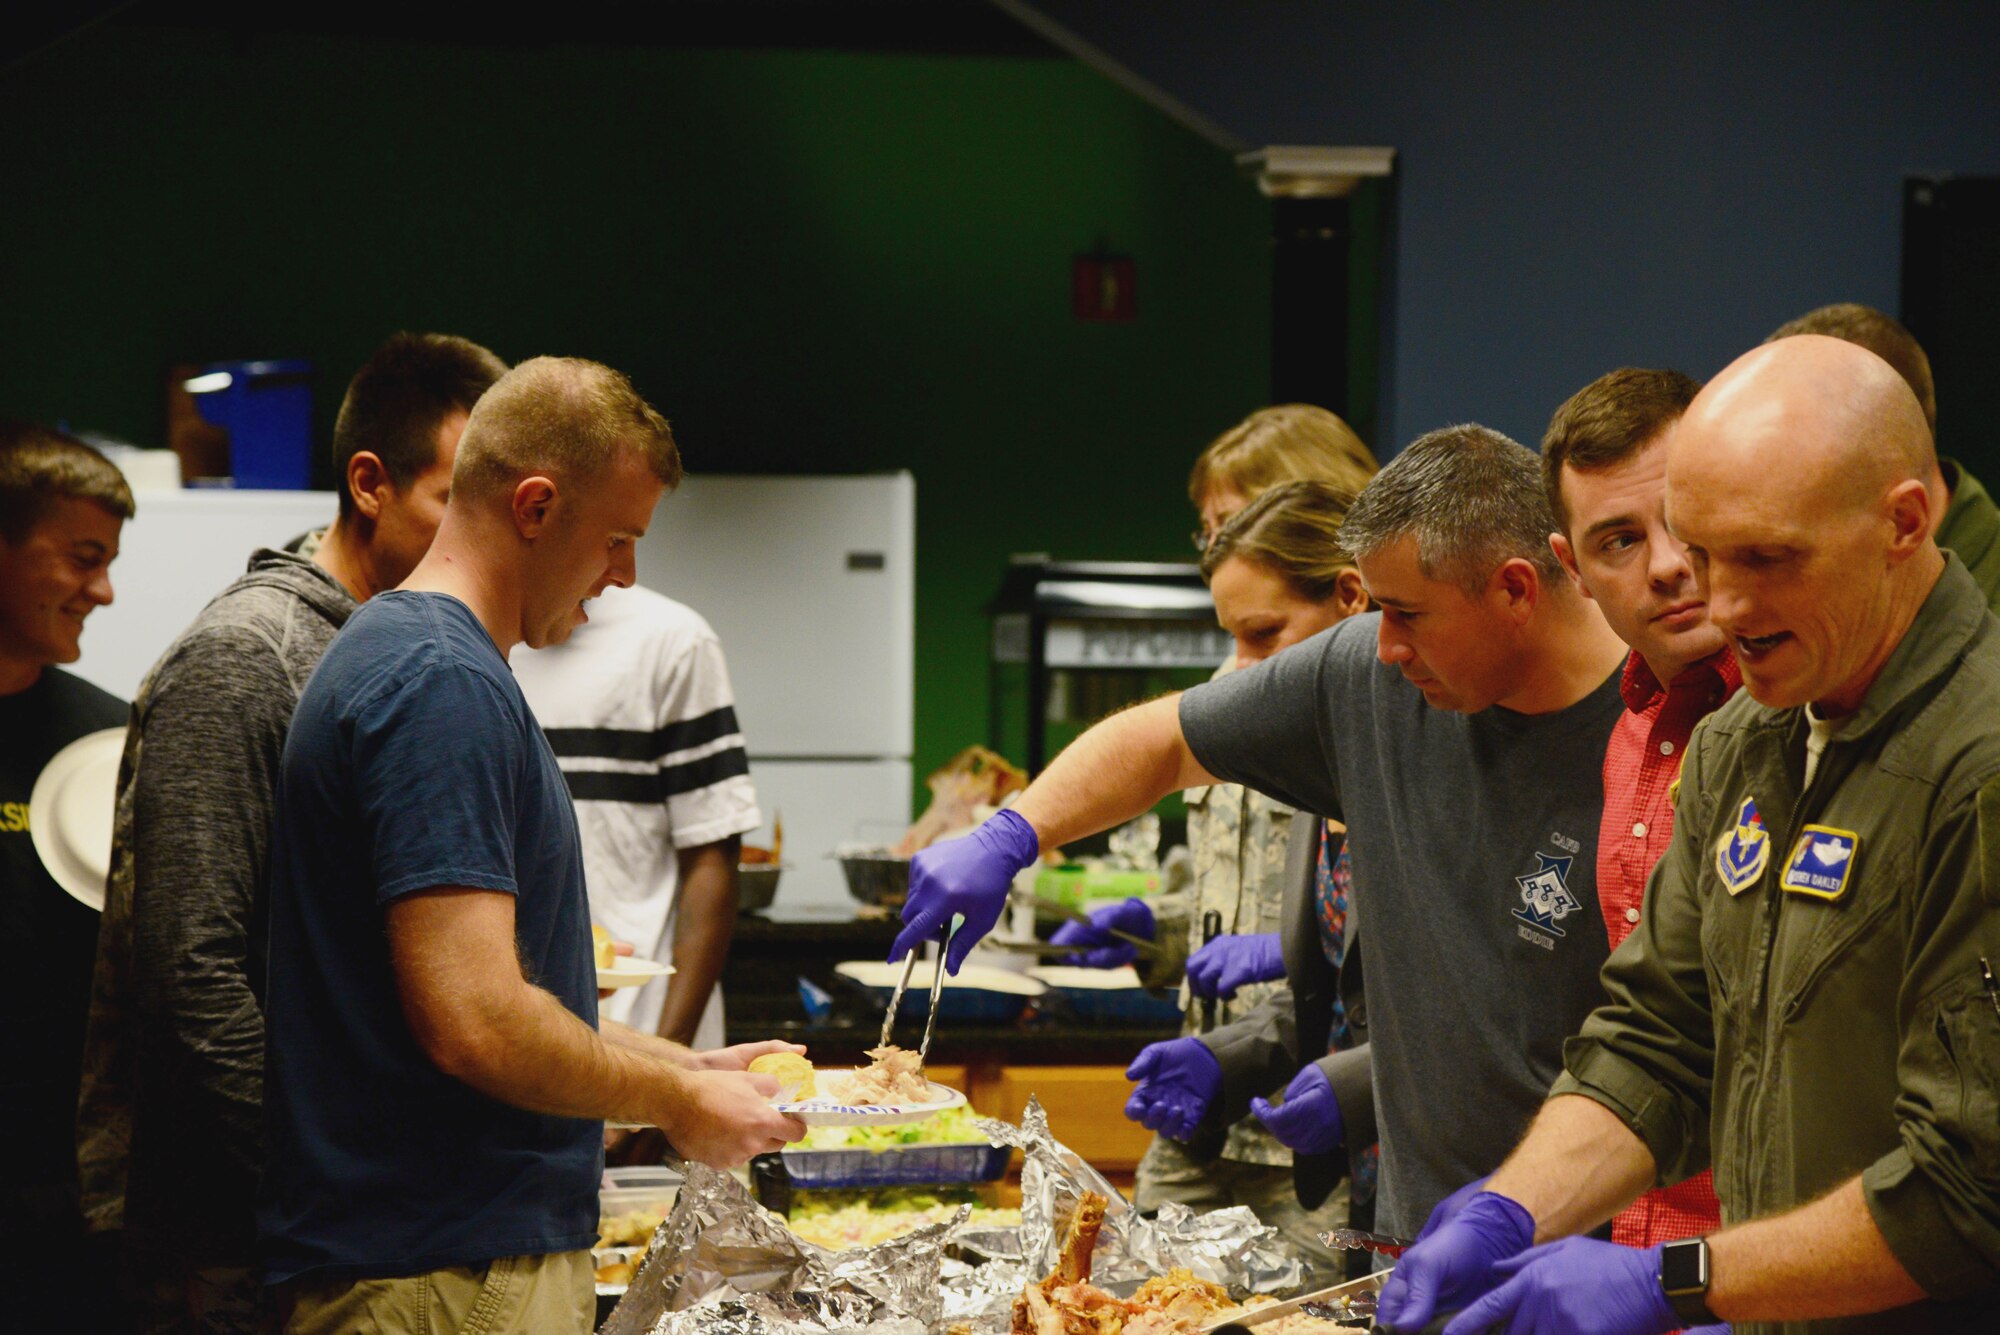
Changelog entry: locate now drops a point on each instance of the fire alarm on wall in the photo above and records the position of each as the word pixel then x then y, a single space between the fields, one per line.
pixel 1101 287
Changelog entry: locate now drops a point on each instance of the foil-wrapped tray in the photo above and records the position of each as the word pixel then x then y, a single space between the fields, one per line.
pixel 721 1264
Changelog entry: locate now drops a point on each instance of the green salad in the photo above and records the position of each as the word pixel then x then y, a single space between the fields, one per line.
pixel 842 1219
pixel 953 1126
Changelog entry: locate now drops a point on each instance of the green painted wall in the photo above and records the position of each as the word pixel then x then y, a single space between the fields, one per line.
pixel 810 262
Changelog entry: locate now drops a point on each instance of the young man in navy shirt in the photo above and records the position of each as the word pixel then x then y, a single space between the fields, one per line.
pixel 436 1074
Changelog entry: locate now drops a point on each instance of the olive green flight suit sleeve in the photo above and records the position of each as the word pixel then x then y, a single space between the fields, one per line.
pixel 1936 1197
pixel 1648 1054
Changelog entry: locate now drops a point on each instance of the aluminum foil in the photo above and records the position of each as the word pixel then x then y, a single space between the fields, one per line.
pixel 1229 1247
pixel 982 1296
pixel 721 1264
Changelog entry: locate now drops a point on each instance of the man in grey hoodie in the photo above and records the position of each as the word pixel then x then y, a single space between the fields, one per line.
pixel 170 1121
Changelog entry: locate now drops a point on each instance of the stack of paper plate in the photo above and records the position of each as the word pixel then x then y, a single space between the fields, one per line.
pixel 70 813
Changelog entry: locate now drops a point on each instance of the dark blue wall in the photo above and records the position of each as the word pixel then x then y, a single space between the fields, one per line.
pixel 1591 185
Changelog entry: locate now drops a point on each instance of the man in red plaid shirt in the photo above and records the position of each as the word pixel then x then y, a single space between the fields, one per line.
pixel 1604 462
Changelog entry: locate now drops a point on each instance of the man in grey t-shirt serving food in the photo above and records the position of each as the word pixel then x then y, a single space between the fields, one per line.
pixel 1459 733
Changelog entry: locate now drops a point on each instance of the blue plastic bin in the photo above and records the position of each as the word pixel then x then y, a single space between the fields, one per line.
pixel 966 998
pixel 1124 1005
pixel 266 407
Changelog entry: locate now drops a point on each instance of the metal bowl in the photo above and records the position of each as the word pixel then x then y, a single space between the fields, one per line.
pixel 876 878
pixel 757 885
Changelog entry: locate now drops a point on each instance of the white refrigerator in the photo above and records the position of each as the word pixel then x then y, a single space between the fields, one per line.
pixel 808 581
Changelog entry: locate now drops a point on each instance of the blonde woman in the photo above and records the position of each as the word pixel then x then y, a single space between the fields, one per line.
pixel 1293 442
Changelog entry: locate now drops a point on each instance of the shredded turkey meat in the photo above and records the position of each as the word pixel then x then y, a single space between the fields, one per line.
pixel 1067 1303
pixel 893 1077
pixel 1299 1323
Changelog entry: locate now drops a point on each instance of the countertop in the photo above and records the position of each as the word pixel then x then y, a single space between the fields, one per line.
pixel 1035 1042
pixel 773 950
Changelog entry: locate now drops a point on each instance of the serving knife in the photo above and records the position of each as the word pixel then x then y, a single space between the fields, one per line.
pixel 1050 909
pixel 1351 1301
pixel 1046 948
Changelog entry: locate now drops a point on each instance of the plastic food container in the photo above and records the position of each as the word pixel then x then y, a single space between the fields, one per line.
pixel 900 1166
pixel 1081 888
pixel 1106 996
pixel 603 1258
pixel 639 1190
pixel 975 995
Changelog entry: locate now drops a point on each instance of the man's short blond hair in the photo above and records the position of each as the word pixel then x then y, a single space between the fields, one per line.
pixel 563 418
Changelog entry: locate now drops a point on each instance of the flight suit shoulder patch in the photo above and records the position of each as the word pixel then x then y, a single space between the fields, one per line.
pixel 1744 850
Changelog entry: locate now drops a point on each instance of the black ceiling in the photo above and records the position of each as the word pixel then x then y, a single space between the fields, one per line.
pixel 935 27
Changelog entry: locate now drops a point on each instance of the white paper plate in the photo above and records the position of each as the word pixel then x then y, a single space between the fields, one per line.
pixel 70 813
pixel 631 972
pixel 983 978
pixel 1076 977
pixel 824 1108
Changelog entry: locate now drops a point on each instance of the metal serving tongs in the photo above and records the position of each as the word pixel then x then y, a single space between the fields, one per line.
pixel 1359 1240
pixel 937 990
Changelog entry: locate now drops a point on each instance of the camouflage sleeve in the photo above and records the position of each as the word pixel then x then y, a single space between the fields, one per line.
pixel 105 1089
pixel 1164 971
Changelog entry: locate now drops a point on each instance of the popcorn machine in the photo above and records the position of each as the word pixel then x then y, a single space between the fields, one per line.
pixel 1076 640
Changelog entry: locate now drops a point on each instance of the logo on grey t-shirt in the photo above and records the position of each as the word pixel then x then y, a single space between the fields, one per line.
pixel 1545 900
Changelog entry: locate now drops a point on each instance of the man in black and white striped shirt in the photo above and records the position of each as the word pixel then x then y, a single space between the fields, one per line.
pixel 637 706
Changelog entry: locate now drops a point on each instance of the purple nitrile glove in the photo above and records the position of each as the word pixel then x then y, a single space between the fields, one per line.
pixel 1577 1286
pixel 1227 963
pixel 1131 917
pixel 1448 1208
pixel 1719 1328
pixel 1309 1120
pixel 969 876
pixel 1453 1264
pixel 1178 1080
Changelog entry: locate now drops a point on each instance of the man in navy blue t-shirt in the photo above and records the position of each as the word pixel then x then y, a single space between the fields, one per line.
pixel 436 1075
